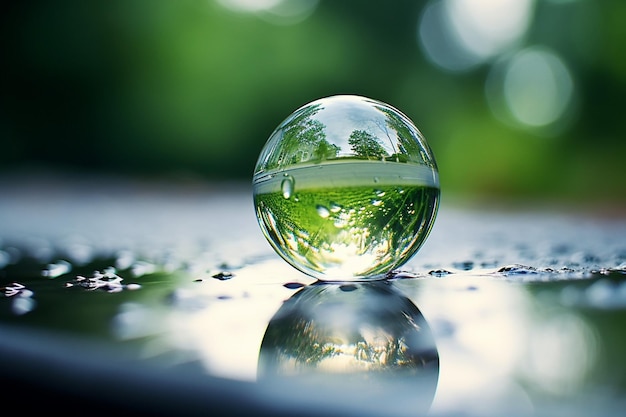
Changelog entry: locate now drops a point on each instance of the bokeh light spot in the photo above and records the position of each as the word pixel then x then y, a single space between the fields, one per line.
pixel 249 6
pixel 533 88
pixel 279 12
pixel 488 27
pixel 458 35
pixel 439 43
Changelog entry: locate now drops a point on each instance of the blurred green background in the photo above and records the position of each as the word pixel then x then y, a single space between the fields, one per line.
pixel 518 98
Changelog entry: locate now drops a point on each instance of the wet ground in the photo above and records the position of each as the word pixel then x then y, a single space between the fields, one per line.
pixel 165 298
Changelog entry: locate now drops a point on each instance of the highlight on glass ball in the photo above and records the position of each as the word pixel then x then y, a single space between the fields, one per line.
pixel 346 189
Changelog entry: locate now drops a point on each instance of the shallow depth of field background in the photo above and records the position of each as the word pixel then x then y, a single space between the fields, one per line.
pixel 519 99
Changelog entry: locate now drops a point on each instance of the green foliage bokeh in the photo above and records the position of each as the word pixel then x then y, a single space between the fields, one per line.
pixel 160 87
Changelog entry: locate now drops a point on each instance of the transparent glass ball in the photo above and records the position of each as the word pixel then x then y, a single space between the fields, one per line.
pixel 346 188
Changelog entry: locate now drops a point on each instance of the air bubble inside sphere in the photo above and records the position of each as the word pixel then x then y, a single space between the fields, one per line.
pixel 346 188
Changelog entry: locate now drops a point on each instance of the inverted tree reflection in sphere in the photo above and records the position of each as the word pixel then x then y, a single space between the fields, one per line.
pixel 365 334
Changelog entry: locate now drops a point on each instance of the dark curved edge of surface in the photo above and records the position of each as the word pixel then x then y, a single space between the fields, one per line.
pixel 42 370
pixel 47 371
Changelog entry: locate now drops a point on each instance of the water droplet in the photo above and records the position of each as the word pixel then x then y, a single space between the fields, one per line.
pixel 322 211
pixel 342 220
pixel 401 275
pixel 57 269
pixel 107 280
pixel 517 269
pixel 223 276
pixel 336 147
pixel 15 289
pixel 293 285
pixel 287 186
pixel 335 208
pixel 439 272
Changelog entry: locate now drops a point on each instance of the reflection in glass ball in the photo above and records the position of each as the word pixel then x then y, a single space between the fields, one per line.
pixel 365 334
pixel 346 188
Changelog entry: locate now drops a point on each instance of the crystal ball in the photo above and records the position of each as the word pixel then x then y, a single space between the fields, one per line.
pixel 346 189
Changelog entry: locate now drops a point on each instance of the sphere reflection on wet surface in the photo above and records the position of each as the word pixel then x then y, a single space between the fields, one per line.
pixel 365 334
pixel 346 188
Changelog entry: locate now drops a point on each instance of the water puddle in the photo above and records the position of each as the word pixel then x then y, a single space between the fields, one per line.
pixel 518 312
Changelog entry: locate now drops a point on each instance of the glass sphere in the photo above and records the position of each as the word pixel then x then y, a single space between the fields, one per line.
pixel 346 188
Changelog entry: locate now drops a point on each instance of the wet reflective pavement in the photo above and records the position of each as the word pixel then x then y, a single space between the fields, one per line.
pixel 166 298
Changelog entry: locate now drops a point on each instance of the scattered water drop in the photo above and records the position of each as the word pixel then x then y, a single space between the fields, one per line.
pixel 341 221
pixel 287 186
pixel 57 269
pixel 14 289
pixel 334 148
pixel 401 275
pixel 334 207
pixel 223 276
pixel 293 285
pixel 322 211
pixel 517 269
pixel 107 280
pixel 439 272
